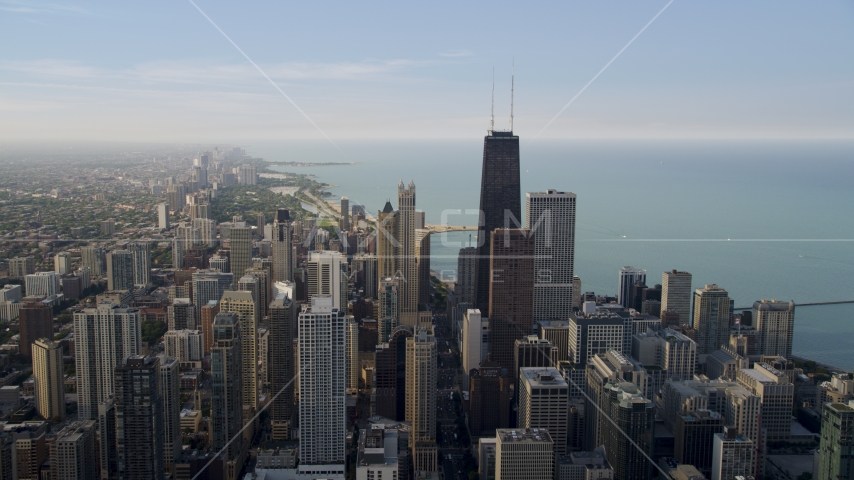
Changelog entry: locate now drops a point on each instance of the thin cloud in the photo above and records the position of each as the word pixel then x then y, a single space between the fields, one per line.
pixel 457 53
pixel 29 7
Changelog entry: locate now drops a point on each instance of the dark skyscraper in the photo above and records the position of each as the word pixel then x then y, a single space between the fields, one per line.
pixel 139 419
pixel 500 199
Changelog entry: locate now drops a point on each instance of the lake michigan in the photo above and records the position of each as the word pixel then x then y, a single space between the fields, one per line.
pixel 760 218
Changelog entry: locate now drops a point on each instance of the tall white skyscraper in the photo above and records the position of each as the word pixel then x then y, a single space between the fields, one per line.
pixel 282 249
pixel 551 219
pixel 353 367
pixel 473 345
pixel 42 283
pixel 628 277
pixel 676 294
pixel 103 337
pixel 322 368
pixel 141 252
pixel 774 322
pixel 327 275
pixel 163 216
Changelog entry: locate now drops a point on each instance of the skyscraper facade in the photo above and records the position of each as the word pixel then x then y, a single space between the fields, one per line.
pixel 421 381
pixel 500 200
pixel 104 336
pixel 712 314
pixel 774 322
pixel 544 403
pixel 120 270
pixel 95 258
pixel 836 450
pixel 210 285
pixel 422 260
pixel 676 294
pixel 50 379
pixel 322 359
pixel 524 454
pixel 282 247
pixel 139 419
pixel 171 396
pixel 407 264
pixel 240 244
pixel 74 453
pixel 388 311
pixel 345 214
pixel 163 216
pixel 283 317
pixel 35 320
pixel 633 417
pixel 242 303
pixel 551 219
pixel 141 252
pixel 628 277
pixel 511 292
pixel 226 383
pixel 327 275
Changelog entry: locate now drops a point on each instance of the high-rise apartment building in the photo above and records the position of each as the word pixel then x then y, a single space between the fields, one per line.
pixel 464 288
pixel 712 315
pixel 366 265
pixel 511 292
pixel 108 456
pixel 226 384
pixel 345 214
pixel 390 385
pixel 208 313
pixel 628 277
pixel 240 244
pixel 596 333
pixel 776 394
pixel 184 345
pixel 836 450
pixel 544 403
pixel 774 322
pixel 246 175
pixel 19 267
pixel 210 285
pixel 163 216
pixel 62 263
pixel 42 284
pixel 732 455
pixel 108 227
pixel 141 252
pixel 500 200
pixel 139 419
pixel 388 311
pixel 667 349
pixel 74 453
pixel 633 417
pixel 488 385
pixel 406 256
pixel 283 318
pixel 551 219
pixel 249 283
pixel 387 242
pixel 352 345
pixel 421 381
pixel 178 252
pixel 422 260
pixel 120 270
pixel 50 379
pixel 104 336
pixel 35 320
pixel 327 275
pixel 242 303
pixel 475 338
pixel 181 315
pixel 676 294
pixel 694 435
pixel 95 258
pixel 282 247
pixel 523 454
pixel 171 396
pixel 322 358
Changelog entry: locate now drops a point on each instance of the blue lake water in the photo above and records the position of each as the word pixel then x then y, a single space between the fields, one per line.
pixel 762 219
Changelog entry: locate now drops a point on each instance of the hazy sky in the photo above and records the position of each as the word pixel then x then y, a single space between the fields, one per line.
pixel 159 71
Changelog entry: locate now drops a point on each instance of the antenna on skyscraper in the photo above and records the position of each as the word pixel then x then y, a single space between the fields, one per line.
pixel 492 112
pixel 512 81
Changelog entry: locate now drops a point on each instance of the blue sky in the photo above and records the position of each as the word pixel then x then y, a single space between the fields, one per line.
pixel 159 71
